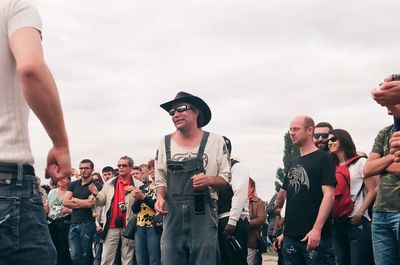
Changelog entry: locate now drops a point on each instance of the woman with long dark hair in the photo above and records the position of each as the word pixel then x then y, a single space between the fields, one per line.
pixel 351 235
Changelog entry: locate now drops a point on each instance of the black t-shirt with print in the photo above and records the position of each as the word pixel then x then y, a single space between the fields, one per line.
pixel 303 183
pixel 79 191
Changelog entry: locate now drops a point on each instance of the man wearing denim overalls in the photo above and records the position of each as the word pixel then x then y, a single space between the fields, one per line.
pixel 190 165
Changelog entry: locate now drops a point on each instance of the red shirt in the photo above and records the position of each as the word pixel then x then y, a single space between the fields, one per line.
pixel 119 196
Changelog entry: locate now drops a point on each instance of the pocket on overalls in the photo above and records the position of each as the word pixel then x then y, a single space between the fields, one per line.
pixel 9 219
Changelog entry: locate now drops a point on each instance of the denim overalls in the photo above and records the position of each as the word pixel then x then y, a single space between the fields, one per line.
pixel 187 238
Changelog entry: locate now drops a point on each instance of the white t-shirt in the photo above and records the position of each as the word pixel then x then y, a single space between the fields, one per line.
pixel 356 181
pixel 216 160
pixel 14 112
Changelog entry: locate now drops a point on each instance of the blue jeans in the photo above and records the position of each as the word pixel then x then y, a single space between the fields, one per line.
pixel 352 243
pixel 98 249
pixel 294 252
pixel 147 246
pixel 24 235
pixel 80 239
pixel 385 238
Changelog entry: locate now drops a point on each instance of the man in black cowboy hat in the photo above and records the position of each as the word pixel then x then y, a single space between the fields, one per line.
pixel 190 164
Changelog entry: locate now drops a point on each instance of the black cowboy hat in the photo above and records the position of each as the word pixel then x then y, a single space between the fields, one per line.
pixel 197 102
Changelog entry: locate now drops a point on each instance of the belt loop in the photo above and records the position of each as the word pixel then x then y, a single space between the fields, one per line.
pixel 20 174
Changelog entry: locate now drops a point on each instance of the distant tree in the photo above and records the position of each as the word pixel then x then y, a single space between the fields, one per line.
pixel 290 152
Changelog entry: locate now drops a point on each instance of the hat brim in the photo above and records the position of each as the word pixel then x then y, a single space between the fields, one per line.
pixel 197 102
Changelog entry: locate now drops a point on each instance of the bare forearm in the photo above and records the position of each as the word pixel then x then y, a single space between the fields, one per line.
pixel 41 95
pixel 218 182
pixel 370 185
pixel 75 203
pixel 325 208
pixel 377 166
pixel 161 191
pixel 394 168
pixel 70 204
pixel 38 85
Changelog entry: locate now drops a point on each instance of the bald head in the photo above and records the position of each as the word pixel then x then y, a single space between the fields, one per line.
pixel 301 130
pixel 305 120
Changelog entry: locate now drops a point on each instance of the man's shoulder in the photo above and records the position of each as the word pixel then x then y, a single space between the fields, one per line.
pixel 74 183
pixel 385 131
pixel 319 155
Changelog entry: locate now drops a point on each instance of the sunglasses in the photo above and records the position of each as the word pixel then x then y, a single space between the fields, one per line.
pixel 332 139
pixel 323 135
pixel 122 165
pixel 179 109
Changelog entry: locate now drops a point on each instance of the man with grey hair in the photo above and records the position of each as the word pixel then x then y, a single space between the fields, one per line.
pixel 117 200
pixel 26 81
pixel 190 165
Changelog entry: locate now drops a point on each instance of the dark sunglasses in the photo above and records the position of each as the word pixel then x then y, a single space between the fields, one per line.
pixel 323 135
pixel 179 109
pixel 332 139
pixel 122 165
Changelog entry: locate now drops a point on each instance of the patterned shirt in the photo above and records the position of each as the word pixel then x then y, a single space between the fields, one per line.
pixel 56 204
pixel 147 212
pixel 388 199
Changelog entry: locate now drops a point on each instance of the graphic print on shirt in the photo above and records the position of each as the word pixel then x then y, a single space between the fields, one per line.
pixel 189 156
pixel 297 177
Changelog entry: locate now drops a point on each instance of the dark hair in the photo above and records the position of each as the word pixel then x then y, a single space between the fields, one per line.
pixel 137 168
pixel 100 179
pixel 228 144
pixel 88 161
pixel 346 144
pixel 324 124
pixel 46 188
pixel 107 169
pixel 200 119
pixel 150 164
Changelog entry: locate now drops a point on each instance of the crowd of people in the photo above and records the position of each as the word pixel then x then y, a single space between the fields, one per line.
pixel 83 209
pixel 199 205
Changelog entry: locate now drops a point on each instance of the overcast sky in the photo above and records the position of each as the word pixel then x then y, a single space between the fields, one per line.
pixel 256 63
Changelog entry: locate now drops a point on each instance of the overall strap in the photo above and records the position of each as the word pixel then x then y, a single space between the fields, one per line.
pixel 203 144
pixel 168 146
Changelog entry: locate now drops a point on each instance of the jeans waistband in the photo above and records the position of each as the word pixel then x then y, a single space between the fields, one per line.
pixel 17 180
pixel 15 168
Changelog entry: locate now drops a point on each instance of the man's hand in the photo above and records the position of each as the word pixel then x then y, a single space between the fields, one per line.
pixel 388 93
pixel 160 206
pixel 313 239
pixel 137 194
pixel 356 219
pixel 58 163
pixel 93 189
pixel 277 245
pixel 201 181
pixel 229 230
pixel 99 229
pixel 395 145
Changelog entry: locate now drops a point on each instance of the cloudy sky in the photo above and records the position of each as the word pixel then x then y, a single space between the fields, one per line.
pixel 256 63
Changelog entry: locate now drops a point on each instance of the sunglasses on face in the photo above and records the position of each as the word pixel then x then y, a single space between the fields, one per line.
pixel 323 135
pixel 179 109
pixel 122 165
pixel 332 139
